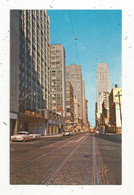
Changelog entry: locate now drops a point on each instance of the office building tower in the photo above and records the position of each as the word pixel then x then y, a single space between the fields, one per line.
pixel 14 70
pixel 34 60
pixel 57 75
pixel 84 119
pixel 115 108
pixel 86 107
pixel 69 102
pixel 76 111
pixel 103 86
pixel 74 76
pixel 96 115
pixel 29 67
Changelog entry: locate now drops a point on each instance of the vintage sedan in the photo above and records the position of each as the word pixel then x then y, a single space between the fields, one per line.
pixel 21 136
pixel 35 136
pixel 67 133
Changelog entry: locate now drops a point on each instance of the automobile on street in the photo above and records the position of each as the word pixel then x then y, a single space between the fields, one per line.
pixel 35 136
pixel 65 133
pixel 21 136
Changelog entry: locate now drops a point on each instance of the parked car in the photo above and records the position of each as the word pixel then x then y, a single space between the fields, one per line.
pixel 35 136
pixel 67 133
pixel 97 131
pixel 21 136
pixel 70 132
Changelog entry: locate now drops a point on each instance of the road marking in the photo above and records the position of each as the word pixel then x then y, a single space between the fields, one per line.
pixel 95 171
pixel 77 140
pixel 80 139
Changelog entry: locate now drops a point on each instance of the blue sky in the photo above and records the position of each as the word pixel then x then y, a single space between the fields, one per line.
pixel 99 40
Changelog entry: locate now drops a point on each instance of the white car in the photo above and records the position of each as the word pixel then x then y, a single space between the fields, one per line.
pixel 21 136
pixel 35 136
pixel 97 131
pixel 66 133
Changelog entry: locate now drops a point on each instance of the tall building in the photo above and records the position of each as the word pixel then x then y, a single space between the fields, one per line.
pixel 105 109
pixel 76 111
pixel 29 68
pixel 34 60
pixel 103 85
pixel 69 106
pixel 69 102
pixel 57 75
pixel 86 106
pixel 96 116
pixel 115 108
pixel 14 70
pixel 74 76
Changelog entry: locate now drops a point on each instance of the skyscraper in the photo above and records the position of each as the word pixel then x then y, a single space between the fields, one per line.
pixel 57 74
pixel 74 76
pixel 84 106
pixel 103 86
pixel 14 70
pixel 29 69
pixel 115 108
pixel 34 59
pixel 69 101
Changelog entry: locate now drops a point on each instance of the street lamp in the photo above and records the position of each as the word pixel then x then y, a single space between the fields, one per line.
pixel 21 99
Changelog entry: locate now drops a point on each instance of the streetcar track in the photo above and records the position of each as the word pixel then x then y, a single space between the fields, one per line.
pixel 99 170
pixel 49 145
pixel 78 139
pixel 50 177
pixel 102 170
pixel 95 170
pixel 28 164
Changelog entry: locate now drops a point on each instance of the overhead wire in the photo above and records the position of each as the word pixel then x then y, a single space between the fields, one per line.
pixel 74 38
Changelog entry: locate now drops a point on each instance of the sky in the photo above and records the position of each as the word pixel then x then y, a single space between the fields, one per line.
pixel 90 37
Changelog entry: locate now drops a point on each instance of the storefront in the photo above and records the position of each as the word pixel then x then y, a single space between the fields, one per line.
pixel 37 123
pixel 33 124
pixel 53 127
pixel 13 123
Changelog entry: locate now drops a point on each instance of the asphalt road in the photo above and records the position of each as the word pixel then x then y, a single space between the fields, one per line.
pixel 81 159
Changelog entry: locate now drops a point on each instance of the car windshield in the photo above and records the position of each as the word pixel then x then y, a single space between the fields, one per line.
pixel 23 133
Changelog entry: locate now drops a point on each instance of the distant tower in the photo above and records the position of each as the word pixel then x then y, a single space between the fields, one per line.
pixel 73 74
pixel 103 85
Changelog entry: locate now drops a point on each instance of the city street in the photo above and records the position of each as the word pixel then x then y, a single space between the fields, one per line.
pixel 80 159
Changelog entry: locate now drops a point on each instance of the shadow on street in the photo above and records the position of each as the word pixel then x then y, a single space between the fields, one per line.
pixel 113 138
